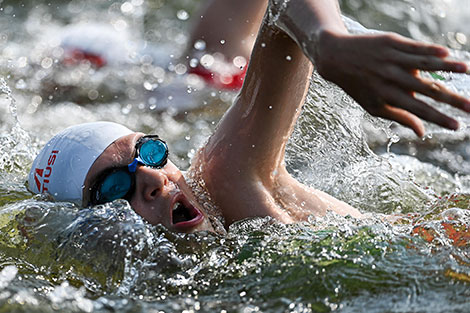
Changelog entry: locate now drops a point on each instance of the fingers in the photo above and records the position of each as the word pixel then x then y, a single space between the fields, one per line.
pixel 428 63
pixel 401 99
pixel 403 117
pixel 434 90
pixel 415 47
pixel 440 93
pixel 428 57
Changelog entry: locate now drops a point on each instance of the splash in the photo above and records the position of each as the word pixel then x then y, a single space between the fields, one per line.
pixel 108 259
pixel 5 90
pixel 16 150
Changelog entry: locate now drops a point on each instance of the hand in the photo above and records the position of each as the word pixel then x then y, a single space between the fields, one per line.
pixel 381 72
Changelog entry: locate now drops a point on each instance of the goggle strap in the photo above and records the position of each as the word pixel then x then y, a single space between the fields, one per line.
pixel 133 166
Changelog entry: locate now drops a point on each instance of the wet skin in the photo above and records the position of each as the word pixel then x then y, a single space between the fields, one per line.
pixel 157 191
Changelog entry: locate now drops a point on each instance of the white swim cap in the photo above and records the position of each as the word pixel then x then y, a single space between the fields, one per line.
pixel 61 167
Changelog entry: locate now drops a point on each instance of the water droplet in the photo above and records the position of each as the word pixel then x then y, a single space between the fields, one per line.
pixel 22 62
pixel 148 86
pixel 207 60
pixel 270 107
pixel 263 45
pixel 461 38
pixel 120 25
pixel 36 101
pixel 127 7
pixel 288 58
pixel 239 62
pixel 46 63
pixel 193 62
pixel 182 15
pixel 93 94
pixel 126 109
pixel 180 69
pixel 152 100
pixel 200 45
pixel 20 84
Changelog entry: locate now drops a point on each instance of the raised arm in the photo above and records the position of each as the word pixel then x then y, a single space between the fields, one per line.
pixel 256 128
pixel 244 159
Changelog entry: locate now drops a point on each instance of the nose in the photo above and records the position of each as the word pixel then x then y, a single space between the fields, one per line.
pixel 150 182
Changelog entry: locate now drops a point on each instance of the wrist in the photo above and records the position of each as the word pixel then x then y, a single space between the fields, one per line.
pixel 326 45
pixel 325 41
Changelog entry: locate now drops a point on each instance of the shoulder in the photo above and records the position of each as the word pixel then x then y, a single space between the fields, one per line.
pixel 235 192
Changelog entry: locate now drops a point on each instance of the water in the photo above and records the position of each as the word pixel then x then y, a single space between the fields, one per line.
pixel 410 254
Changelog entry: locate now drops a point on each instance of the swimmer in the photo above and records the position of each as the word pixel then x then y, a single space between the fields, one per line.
pixel 240 172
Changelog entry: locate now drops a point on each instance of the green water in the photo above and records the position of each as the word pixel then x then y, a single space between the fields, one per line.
pixel 55 257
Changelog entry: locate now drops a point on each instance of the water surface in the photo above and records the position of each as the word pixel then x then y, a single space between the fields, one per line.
pixel 410 254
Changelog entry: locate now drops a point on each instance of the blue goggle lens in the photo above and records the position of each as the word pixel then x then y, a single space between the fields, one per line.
pixel 153 153
pixel 115 186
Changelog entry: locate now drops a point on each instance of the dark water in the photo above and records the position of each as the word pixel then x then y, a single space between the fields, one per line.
pixel 410 255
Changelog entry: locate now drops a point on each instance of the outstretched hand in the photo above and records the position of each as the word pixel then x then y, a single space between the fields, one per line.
pixel 381 72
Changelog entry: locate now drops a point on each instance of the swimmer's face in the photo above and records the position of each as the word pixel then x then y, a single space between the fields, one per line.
pixel 161 195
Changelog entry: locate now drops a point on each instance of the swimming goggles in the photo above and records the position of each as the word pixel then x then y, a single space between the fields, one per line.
pixel 119 182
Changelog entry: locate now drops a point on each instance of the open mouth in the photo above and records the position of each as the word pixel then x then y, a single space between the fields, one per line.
pixel 185 215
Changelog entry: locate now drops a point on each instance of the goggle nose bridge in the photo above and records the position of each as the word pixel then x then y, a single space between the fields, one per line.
pixel 133 166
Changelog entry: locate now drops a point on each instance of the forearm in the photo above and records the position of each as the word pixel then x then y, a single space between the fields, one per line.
pixel 255 129
pixel 276 81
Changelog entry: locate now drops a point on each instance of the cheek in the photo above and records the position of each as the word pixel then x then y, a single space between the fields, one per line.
pixel 151 213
